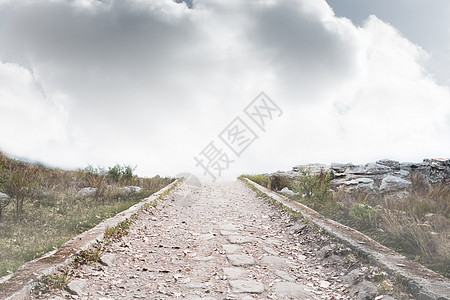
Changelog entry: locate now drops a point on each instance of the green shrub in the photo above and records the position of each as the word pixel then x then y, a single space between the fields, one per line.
pixel 364 215
pixel 314 186
pixel 278 182
pixel 120 173
pixel 50 283
pixel 314 191
pixel 117 231
pixel 85 257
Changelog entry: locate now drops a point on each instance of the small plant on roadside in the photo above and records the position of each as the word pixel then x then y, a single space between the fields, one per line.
pixel 112 233
pixel 51 283
pixel 85 257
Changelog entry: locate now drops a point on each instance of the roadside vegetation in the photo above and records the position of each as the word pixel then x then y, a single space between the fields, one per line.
pixel 47 207
pixel 57 283
pixel 416 224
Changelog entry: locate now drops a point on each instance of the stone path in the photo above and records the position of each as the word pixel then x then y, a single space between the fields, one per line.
pixel 217 242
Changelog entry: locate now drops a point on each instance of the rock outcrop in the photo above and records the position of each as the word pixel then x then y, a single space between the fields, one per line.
pixel 382 176
pixel 86 192
pixel 3 196
pixel 131 189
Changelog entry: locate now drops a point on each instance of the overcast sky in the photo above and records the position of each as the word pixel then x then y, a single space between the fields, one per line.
pixel 153 82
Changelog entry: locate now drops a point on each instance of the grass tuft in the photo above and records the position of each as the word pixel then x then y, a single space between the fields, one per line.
pixel 118 231
pixel 51 283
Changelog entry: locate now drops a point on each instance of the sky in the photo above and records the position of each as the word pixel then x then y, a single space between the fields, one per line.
pixel 175 87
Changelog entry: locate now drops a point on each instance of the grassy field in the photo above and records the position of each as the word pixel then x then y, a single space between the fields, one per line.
pixel 416 225
pixel 44 210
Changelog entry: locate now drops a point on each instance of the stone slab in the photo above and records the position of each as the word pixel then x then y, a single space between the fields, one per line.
pixel 239 239
pixel 246 286
pixel 234 273
pixel 292 290
pixel 239 260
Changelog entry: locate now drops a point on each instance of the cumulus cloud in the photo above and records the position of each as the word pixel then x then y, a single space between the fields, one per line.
pixel 151 83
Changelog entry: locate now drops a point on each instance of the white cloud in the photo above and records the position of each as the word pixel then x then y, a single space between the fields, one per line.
pixel 151 83
pixel 28 119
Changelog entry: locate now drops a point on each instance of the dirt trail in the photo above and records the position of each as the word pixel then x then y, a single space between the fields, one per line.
pixel 216 242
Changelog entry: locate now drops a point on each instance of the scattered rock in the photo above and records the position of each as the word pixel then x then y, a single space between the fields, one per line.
pixel 3 196
pixel 297 228
pixel 434 291
pixel 287 191
pixel 392 183
pixel 313 169
pixel 77 287
pixel 403 174
pixel 324 284
pixel 324 252
pixel 370 169
pixel 246 286
pixel 292 290
pixel 86 192
pixel 384 176
pixel 340 168
pixel 131 189
pixel 393 164
pixel 237 239
pixel 359 184
pixel 41 194
pixel 365 290
pixel 107 259
pixel 352 277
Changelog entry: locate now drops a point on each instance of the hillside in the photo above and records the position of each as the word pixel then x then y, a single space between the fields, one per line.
pixel 41 208
pixel 405 206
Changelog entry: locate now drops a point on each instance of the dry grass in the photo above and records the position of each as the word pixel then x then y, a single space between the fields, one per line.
pixel 419 224
pixel 262 180
pixel 44 213
pixel 416 225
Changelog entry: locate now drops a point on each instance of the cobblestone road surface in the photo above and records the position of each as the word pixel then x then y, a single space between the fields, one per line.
pixel 217 242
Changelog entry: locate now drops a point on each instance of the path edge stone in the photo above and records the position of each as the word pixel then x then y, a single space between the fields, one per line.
pixel 19 284
pixel 421 281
